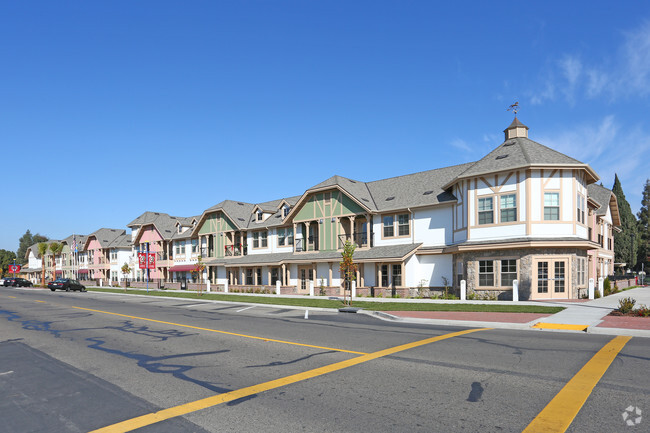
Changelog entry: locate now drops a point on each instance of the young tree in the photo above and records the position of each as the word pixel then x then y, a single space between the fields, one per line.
pixel 625 242
pixel 644 225
pixel 55 249
pixel 126 270
pixel 42 249
pixel 348 269
pixel 200 266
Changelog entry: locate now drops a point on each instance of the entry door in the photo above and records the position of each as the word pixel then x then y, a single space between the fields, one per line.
pixel 551 279
pixel 305 275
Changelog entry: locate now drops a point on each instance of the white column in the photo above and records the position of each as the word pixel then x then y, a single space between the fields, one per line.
pixel 591 288
pixel 601 283
pixel 207 289
pixel 311 288
pixel 354 290
pixel 225 286
pixel 277 287
pixel 515 291
pixel 463 290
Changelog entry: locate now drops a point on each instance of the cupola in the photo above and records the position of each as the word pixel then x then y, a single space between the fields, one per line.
pixel 516 130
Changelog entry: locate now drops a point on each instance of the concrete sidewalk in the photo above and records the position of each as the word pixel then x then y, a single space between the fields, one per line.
pixel 590 316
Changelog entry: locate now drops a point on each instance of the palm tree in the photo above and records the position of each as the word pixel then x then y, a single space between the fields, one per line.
pixel 55 248
pixel 42 249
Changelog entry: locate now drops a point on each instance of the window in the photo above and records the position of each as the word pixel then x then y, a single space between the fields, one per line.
pixel 195 246
pixel 384 275
pixel 403 225
pixel 508 205
pixel 551 206
pixel 113 254
pixel 582 271
pixel 260 216
pixel 389 230
pixel 260 239
pixel 285 237
pixel 486 273
pixel 580 209
pixel 249 276
pixel 285 211
pixel 485 213
pixel 180 247
pixel 327 198
pixel 275 275
pixel 397 275
pixel 508 272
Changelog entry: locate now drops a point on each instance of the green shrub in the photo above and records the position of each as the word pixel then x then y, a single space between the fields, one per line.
pixel 626 305
pixel 607 287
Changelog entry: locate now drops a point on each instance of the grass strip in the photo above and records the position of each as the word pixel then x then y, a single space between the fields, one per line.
pixel 333 303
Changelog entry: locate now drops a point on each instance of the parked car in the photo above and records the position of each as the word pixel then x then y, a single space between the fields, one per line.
pixel 17 282
pixel 66 284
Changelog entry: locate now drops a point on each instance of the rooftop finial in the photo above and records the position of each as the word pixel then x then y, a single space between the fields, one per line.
pixel 514 108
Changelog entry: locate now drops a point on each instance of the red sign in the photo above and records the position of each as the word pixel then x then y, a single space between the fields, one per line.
pixel 14 268
pixel 142 260
pixel 152 261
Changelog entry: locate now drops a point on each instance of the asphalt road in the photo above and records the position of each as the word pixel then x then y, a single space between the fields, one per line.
pixel 76 362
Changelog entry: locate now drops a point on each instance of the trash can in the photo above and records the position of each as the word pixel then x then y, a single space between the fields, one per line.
pixel 184 285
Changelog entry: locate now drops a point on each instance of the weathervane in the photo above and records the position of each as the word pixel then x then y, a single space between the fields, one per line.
pixel 514 108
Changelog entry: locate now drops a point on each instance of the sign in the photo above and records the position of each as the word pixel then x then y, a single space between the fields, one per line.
pixel 14 268
pixel 152 261
pixel 142 260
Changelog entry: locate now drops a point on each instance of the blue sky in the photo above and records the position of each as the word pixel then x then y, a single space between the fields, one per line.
pixel 112 108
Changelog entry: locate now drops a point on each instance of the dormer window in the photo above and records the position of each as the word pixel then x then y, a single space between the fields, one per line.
pixel 285 211
pixel 260 216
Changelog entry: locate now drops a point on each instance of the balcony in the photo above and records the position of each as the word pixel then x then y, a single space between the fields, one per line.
pixel 358 239
pixel 311 245
pixel 236 250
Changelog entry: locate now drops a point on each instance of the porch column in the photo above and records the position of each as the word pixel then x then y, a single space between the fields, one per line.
pixel 283 277
pixel 379 275
pixel 305 235
pixel 352 229
pixel 295 233
pixel 360 278
pixel 242 272
pixel 329 280
pixel 268 275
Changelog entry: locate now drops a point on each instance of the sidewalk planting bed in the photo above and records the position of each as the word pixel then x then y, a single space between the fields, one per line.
pixel 335 303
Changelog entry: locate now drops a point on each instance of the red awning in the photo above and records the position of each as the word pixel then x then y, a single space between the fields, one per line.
pixel 182 268
pixel 58 272
pixel 82 271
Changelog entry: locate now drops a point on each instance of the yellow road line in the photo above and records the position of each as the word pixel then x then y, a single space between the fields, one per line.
pixel 194 406
pixel 12 297
pixel 43 302
pixel 222 332
pixel 542 325
pixel 558 415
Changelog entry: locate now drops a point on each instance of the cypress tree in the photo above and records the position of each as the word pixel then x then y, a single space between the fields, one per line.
pixel 644 226
pixel 625 250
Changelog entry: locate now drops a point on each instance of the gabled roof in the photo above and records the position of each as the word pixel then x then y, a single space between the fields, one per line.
pixel 104 236
pixel 122 241
pixel 238 212
pixel 605 198
pixel 34 248
pixel 165 224
pixel 521 152
pixel 81 240
pixel 357 190
pixel 413 190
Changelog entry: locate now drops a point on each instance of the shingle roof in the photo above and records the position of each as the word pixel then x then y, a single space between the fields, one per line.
pixel 122 241
pixel 516 153
pixel 163 222
pixel 600 195
pixel 105 236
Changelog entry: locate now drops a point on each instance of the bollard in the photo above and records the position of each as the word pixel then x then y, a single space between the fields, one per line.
pixel 601 283
pixel 463 290
pixel 101 282
pixel 225 287
pixel 591 288
pixel 311 288
pixel 277 287
pixel 207 289
pixel 354 289
pixel 515 291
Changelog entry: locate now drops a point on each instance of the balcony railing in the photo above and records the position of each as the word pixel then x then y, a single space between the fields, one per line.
pixel 312 244
pixel 359 239
pixel 236 250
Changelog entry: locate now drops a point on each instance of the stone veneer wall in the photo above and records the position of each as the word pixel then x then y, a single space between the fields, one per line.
pixel 525 268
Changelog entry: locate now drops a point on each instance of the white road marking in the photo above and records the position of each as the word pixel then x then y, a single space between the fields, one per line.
pixel 6 372
pixel 247 308
pixel 306 314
